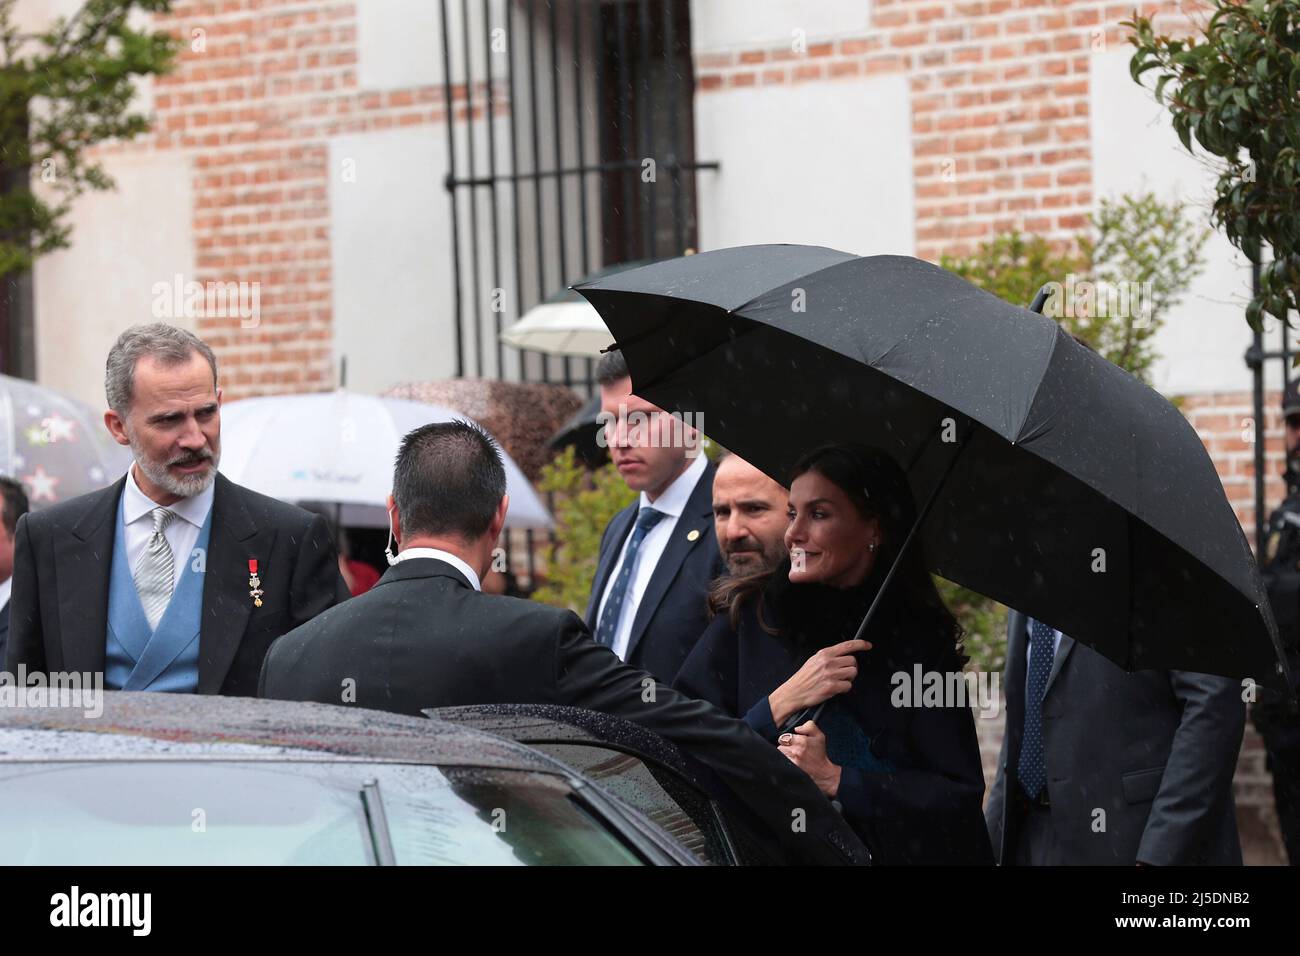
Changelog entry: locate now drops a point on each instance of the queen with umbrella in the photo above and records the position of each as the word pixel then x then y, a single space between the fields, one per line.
pixel 908 781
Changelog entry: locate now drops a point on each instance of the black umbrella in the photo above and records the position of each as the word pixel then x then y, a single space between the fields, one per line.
pixel 1065 487
pixel 582 431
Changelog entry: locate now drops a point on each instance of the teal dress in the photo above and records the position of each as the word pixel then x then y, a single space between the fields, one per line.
pixel 847 744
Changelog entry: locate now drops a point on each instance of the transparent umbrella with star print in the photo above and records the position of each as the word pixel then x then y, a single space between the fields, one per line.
pixel 56 446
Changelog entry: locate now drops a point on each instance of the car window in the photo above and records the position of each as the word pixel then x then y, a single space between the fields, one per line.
pixel 246 812
pixel 658 792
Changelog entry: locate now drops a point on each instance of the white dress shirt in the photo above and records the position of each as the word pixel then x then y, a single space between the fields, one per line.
pixel 672 502
pixel 6 586
pixel 407 554
pixel 181 534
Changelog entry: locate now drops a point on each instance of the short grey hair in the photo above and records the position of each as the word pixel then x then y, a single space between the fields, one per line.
pixel 158 340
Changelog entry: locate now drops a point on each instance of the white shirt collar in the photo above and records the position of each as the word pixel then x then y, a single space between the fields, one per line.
pixel 673 501
pixel 453 560
pixel 5 587
pixel 137 504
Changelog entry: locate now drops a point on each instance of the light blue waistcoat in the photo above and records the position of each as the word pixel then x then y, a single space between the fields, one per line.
pixel 166 659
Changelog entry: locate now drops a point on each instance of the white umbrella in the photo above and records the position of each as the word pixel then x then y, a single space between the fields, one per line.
pixel 560 327
pixel 338 448
pixel 565 323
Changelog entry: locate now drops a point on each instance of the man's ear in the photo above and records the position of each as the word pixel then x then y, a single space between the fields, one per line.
pixel 499 519
pixel 116 427
pixel 391 504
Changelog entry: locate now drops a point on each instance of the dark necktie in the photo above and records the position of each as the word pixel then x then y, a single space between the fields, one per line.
pixel 646 519
pixel 1031 767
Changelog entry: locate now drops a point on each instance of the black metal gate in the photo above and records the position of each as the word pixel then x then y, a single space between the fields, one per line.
pixel 1256 358
pixel 570 147
pixel 589 161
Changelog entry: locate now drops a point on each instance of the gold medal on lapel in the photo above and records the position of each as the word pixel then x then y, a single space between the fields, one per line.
pixel 694 534
pixel 254 583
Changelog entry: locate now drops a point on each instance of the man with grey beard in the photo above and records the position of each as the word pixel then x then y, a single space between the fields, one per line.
pixel 173 578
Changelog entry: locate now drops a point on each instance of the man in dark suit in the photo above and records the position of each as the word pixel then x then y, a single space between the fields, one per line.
pixel 658 555
pixel 426 636
pixel 13 505
pixel 1100 766
pixel 172 578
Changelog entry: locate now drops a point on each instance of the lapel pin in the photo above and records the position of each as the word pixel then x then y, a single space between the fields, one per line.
pixel 693 534
pixel 254 583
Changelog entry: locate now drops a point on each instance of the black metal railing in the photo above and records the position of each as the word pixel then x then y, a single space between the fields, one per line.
pixel 589 90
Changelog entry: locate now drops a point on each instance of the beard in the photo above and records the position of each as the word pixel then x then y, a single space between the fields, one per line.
pixel 752 558
pixel 184 486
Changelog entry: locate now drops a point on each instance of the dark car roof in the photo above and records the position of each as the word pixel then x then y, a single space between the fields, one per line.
pixel 537 723
pixel 187 726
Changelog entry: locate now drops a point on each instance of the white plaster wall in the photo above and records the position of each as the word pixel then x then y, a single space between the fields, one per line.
pixel 123 242
pixel 400 42
pixel 391 257
pixel 826 164
pixel 1203 340
pixel 718 25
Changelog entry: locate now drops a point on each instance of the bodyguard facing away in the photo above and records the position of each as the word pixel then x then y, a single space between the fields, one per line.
pixel 426 636
pixel 172 578
pixel 1102 766
pixel 658 556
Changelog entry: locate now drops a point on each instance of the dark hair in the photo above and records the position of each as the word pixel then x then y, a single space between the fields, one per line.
pixel 611 368
pixel 878 489
pixel 448 479
pixel 15 503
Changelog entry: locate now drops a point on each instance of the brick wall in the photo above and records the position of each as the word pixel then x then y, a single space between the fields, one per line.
pixel 1224 420
pixel 1000 109
pixel 253 102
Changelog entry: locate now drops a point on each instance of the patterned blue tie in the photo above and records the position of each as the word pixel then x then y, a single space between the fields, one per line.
pixel 646 519
pixel 1032 769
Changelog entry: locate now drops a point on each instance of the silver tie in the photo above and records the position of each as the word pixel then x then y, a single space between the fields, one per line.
pixel 153 575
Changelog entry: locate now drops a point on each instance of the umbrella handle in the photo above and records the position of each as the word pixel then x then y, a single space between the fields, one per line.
pixel 1040 300
pixel 802 717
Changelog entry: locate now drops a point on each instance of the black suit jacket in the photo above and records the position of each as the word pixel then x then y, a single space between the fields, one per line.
pixel 4 631
pixel 673 611
pixel 1155 750
pixel 422 637
pixel 62 560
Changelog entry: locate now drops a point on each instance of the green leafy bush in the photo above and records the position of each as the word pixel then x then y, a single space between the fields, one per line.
pixel 1138 243
pixel 582 503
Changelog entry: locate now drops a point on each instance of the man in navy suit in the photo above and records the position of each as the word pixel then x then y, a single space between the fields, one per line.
pixel 13 501
pixel 1104 767
pixel 658 555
